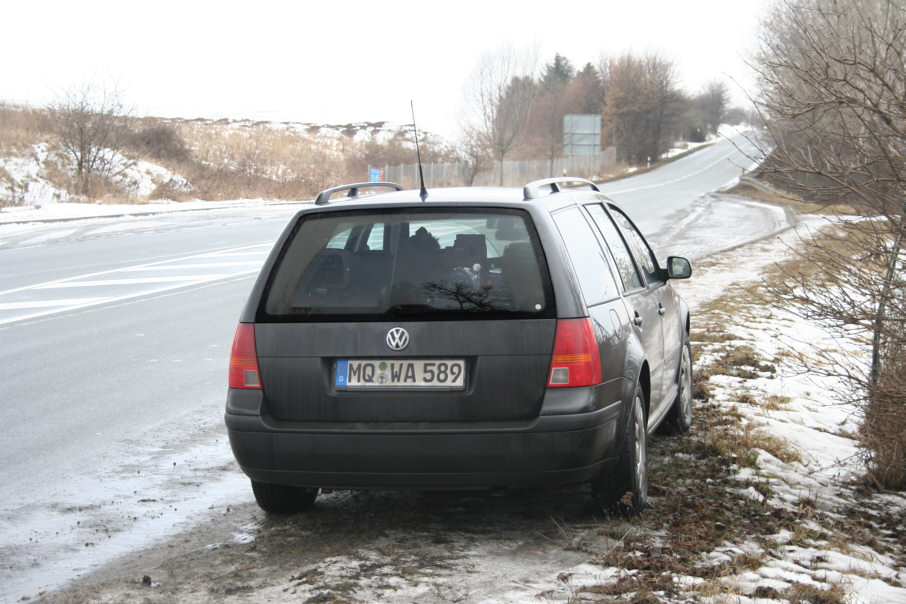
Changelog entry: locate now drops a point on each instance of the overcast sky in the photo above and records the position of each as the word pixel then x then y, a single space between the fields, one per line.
pixel 337 61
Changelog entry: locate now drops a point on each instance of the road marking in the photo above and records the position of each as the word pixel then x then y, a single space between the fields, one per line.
pixel 205 265
pixel 47 303
pixel 169 276
pixel 720 160
pixel 135 281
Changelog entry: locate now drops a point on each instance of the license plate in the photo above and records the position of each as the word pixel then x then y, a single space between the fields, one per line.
pixel 443 374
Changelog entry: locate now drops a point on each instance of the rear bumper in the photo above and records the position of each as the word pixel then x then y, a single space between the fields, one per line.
pixel 549 450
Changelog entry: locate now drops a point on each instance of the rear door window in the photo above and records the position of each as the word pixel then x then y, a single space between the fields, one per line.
pixel 639 246
pixel 629 274
pixel 391 263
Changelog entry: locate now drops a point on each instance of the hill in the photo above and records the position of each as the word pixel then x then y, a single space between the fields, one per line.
pixel 177 159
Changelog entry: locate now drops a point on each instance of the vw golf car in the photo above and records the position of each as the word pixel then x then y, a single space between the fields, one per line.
pixel 490 338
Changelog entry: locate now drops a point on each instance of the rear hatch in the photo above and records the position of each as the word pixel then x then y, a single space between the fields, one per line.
pixel 407 315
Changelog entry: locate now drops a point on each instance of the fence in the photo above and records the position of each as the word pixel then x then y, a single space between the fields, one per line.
pixel 515 173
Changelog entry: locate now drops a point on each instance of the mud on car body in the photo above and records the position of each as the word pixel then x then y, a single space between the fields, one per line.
pixel 489 338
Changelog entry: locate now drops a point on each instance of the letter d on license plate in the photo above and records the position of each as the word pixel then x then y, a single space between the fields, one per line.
pixel 424 374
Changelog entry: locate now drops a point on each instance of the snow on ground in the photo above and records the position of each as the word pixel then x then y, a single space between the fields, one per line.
pixel 25 183
pixel 54 212
pixel 140 178
pixel 806 415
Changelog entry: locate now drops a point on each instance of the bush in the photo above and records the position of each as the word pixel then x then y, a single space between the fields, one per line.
pixel 884 428
pixel 159 142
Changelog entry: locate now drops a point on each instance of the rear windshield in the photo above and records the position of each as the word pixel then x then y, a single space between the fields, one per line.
pixel 421 263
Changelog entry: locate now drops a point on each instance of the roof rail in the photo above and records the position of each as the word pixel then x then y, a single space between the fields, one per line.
pixel 531 190
pixel 325 195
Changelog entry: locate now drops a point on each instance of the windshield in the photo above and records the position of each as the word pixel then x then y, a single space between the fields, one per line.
pixel 387 263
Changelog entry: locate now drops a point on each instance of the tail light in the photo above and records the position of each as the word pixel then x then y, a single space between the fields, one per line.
pixel 576 360
pixel 244 359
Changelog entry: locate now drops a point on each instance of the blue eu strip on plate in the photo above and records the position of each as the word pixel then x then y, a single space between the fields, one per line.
pixel 342 370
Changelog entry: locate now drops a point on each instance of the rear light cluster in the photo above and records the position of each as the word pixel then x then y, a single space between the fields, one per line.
pixel 244 359
pixel 576 360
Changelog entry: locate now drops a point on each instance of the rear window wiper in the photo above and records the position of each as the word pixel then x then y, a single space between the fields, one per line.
pixel 410 309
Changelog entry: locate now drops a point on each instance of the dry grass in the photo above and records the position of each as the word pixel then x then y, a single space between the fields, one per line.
pixel 740 361
pixel 832 594
pixel 767 193
pixel 222 159
pixel 883 403
pixel 884 430
pixel 21 126
pixel 703 509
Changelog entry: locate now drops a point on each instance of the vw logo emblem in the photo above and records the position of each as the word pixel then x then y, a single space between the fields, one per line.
pixel 397 338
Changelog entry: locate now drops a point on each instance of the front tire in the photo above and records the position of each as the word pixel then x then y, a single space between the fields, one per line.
pixel 282 498
pixel 626 490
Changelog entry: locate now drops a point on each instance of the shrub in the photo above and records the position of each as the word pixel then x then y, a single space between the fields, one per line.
pixel 159 142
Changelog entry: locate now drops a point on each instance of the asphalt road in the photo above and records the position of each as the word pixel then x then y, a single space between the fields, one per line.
pixel 114 343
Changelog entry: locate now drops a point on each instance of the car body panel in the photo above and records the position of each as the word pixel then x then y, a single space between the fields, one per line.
pixel 505 427
pixel 506 369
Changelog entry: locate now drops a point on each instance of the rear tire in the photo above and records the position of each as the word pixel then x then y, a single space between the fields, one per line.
pixel 679 418
pixel 626 490
pixel 281 498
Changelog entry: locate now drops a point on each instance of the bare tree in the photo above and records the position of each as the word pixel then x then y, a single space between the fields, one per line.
pixel 561 91
pixel 499 95
pixel 834 100
pixel 585 92
pixel 713 101
pixel 667 104
pixel 473 157
pixel 544 128
pixel 707 110
pixel 92 125
pixel 642 106
pixel 545 124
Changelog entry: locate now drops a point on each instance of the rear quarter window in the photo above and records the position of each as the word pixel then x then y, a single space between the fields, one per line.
pixel 587 257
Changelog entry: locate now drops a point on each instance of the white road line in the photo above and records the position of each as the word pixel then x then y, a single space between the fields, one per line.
pixel 112 299
pixel 264 251
pixel 116 270
pixel 194 265
pixel 683 177
pixel 137 281
pixel 50 303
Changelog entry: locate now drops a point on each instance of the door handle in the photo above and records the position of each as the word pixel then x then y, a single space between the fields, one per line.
pixel 637 319
pixel 661 310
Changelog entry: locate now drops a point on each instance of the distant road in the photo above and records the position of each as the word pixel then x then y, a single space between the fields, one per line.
pixel 655 196
pixel 114 345
pixel 677 207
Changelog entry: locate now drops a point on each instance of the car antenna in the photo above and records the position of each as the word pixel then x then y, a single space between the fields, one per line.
pixel 423 193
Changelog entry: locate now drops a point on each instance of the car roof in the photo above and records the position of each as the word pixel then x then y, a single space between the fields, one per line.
pixel 532 194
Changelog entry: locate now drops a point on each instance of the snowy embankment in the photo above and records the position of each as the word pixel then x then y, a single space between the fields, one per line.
pixel 818 477
pixel 26 187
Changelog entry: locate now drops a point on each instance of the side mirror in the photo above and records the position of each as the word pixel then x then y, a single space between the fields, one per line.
pixel 678 267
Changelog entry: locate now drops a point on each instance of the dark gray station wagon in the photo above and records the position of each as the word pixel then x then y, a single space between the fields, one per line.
pixel 488 338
